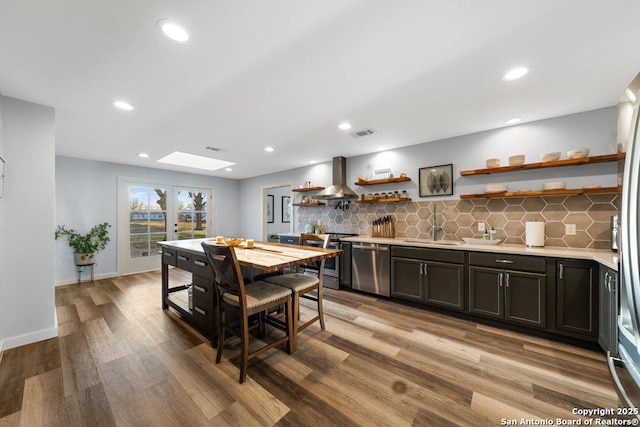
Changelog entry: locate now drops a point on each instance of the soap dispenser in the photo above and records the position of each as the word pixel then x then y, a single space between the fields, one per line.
pixel 492 234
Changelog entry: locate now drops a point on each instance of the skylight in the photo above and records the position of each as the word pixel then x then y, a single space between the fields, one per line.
pixel 178 158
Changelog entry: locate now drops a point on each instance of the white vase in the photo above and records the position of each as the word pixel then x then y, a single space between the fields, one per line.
pixel 83 259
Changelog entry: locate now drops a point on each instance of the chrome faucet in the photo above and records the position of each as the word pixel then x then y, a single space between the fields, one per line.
pixel 434 227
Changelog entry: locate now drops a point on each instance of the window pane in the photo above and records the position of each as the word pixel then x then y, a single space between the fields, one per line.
pixel 158 222
pixel 139 245
pixel 155 238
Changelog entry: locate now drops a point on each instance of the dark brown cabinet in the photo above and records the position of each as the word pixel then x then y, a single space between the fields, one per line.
pixel 498 288
pixel 428 276
pixel 577 297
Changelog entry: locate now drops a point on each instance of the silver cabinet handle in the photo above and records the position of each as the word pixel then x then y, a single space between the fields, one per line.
pixel 199 288
pixel 561 272
pixel 504 261
pixel 506 279
pixel 426 269
pixel 199 263
pixel 183 258
pixel 168 254
pixel 201 311
pixel 607 281
pixel 500 279
pixel 371 248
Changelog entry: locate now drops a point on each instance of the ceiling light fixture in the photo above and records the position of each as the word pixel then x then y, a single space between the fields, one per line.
pixel 515 74
pixel 143 155
pixel 173 30
pixel 123 105
pixel 514 121
pixel 344 126
pixel 228 169
pixel 312 162
pixel 380 148
pixel 269 149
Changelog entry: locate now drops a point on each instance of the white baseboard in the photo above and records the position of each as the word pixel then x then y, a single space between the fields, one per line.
pixel 96 277
pixel 42 335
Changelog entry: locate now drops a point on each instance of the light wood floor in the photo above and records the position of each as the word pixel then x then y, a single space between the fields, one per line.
pixel 121 360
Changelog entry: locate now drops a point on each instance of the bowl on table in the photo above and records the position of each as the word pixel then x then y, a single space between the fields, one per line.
pixel 233 241
pixel 516 160
pixel 578 153
pixel 551 157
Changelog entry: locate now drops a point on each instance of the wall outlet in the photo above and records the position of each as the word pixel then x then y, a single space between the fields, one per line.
pixel 570 229
pixel 481 226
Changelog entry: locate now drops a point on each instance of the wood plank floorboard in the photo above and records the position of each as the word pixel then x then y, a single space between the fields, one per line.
pixel 120 360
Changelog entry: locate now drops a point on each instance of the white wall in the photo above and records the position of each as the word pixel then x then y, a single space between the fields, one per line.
pixel 1 227
pixel 595 130
pixel 87 194
pixel 27 302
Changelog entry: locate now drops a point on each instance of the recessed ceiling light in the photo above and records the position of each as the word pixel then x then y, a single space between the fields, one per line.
pixel 312 162
pixel 123 105
pixel 192 161
pixel 345 126
pixel 228 169
pixel 143 155
pixel 269 149
pixel 173 30
pixel 514 121
pixel 380 148
pixel 516 73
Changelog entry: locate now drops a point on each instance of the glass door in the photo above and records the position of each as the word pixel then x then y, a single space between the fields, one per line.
pixel 191 205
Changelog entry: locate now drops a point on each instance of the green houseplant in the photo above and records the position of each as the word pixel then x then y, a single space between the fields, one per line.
pixel 85 246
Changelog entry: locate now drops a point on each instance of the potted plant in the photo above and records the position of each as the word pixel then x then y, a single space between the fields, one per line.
pixel 85 246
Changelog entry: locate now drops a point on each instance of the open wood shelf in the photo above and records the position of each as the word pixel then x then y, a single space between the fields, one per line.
pixel 542 165
pixel 387 200
pixel 384 181
pixel 567 191
pixel 305 189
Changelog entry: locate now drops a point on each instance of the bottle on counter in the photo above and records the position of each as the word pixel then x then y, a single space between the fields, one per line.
pixel 492 234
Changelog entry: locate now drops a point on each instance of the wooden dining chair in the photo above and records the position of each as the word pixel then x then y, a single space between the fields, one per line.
pixel 301 284
pixel 245 300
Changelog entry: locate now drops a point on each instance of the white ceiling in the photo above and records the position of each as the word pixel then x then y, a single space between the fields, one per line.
pixel 285 73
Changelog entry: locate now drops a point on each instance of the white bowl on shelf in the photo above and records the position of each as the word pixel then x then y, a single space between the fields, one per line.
pixel 493 163
pixel 495 188
pixel 592 186
pixel 516 160
pixel 578 153
pixel 551 157
pixel 558 185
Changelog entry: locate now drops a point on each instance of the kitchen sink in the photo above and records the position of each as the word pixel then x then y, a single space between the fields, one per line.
pixel 433 242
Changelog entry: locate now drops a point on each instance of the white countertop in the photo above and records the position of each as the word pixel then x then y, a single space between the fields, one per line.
pixel 604 257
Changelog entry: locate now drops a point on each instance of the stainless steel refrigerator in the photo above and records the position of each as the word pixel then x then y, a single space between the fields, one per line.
pixel 625 366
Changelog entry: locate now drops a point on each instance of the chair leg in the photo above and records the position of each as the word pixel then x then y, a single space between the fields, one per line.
pixel 295 319
pixel 244 360
pixel 220 337
pixel 291 331
pixel 320 310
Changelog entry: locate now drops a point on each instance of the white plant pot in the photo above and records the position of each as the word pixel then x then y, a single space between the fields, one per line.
pixel 83 259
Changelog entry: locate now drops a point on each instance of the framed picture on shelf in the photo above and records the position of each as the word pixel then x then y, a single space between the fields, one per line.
pixel 270 208
pixel 436 181
pixel 286 209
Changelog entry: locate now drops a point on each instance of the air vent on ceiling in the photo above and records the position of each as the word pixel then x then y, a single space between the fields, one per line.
pixel 361 133
pixel 216 149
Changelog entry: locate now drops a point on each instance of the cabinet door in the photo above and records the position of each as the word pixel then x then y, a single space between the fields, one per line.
pixel 608 302
pixel 444 284
pixel 406 279
pixel 486 295
pixel 525 296
pixel 577 297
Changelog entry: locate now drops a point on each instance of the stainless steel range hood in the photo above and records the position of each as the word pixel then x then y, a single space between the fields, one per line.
pixel 339 190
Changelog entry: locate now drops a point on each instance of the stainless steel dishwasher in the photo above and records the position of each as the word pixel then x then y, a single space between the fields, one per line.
pixel 370 268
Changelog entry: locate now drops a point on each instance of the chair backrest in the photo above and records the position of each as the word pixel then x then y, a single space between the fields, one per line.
pixel 313 240
pixel 227 275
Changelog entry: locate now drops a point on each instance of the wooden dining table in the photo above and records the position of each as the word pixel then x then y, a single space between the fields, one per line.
pixel 188 255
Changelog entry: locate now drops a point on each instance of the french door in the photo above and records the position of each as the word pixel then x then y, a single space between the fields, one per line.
pixel 150 212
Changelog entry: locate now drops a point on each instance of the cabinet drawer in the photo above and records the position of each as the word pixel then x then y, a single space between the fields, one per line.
pixel 508 261
pixel 200 266
pixel 183 260
pixel 169 256
pixel 290 240
pixel 203 291
pixel 203 318
pixel 426 254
